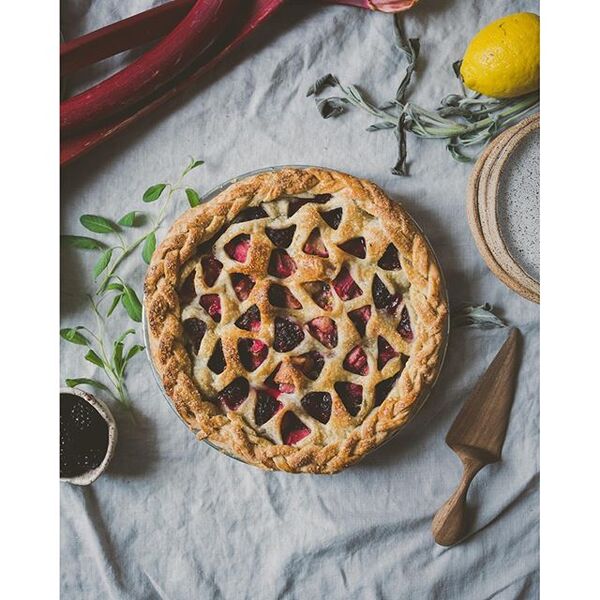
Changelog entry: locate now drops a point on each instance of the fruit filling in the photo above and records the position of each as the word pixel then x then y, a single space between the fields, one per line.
pixel 320 292
pixel 317 405
pixel 281 264
pixel 360 317
pixel 351 396
pixel 211 303
pixel 355 246
pixel 382 297
pixel 234 394
pixel 314 244
pixel 333 218
pixel 252 353
pixel 242 285
pixel 295 204
pixel 266 407
pixel 250 214
pixel 293 430
pixel 288 334
pixel 282 238
pixel 404 328
pixel 281 297
pixel 356 361
pixel 344 286
pixel 211 269
pixel 194 330
pixel 187 292
pixel 324 329
pixel 250 320
pixel 389 259
pixel 310 364
pixel 238 247
pixel 385 352
pixel 383 388
pixel 216 362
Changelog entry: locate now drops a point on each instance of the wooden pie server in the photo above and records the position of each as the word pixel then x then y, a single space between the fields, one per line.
pixel 477 436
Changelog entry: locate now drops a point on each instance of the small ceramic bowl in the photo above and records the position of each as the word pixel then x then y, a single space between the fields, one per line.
pixel 93 474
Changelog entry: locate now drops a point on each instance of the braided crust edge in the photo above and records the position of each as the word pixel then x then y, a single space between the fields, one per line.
pixel 229 431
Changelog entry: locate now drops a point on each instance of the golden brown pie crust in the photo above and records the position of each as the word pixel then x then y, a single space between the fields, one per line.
pixel 367 212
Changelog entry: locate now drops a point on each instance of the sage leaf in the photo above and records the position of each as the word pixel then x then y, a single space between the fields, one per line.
pixel 149 247
pixel 153 192
pixel 133 351
pixel 456 65
pixel 98 224
pixel 124 335
pixel 103 262
pixel 92 357
pixel 482 316
pixel 113 305
pixel 83 242
pixel 86 381
pixel 131 303
pixel 331 107
pixel 192 196
pixel 193 164
pixel 118 356
pixel 381 125
pixel 70 334
pixel 128 220
pixel 320 84
pixel 115 286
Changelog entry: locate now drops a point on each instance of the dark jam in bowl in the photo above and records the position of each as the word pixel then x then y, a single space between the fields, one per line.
pixel 83 436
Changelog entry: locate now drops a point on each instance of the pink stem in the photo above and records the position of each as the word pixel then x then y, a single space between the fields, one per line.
pixel 389 6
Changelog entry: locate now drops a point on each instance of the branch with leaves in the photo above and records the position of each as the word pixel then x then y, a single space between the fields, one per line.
pixel 113 290
pixel 465 120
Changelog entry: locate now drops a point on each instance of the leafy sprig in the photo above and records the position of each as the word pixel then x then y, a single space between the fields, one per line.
pixel 466 121
pixel 112 357
pixel 481 317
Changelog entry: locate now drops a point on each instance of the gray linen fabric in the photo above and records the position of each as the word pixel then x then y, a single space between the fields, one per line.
pixel 173 518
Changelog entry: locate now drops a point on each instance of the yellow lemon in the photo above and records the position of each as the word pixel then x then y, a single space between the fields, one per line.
pixel 503 59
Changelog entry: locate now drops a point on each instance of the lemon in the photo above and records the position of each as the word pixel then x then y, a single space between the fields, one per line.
pixel 503 59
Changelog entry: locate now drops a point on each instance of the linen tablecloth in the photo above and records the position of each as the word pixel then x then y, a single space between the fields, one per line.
pixel 175 519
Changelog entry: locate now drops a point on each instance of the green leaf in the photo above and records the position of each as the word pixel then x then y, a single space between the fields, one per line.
pixel 98 224
pixel 92 357
pixel 149 247
pixel 192 196
pixel 133 351
pixel 482 316
pixel 193 164
pixel 83 242
pixel 114 286
pixel 124 335
pixel 131 303
pixel 72 335
pixel 153 192
pixel 118 356
pixel 86 381
pixel 128 220
pixel 113 305
pixel 103 262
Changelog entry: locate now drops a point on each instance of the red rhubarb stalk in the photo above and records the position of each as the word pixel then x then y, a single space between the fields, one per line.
pixel 389 6
pixel 194 34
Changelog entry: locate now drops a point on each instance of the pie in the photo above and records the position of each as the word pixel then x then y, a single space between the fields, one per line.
pixel 296 319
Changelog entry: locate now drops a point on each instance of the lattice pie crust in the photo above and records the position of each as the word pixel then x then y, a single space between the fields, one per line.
pixel 296 319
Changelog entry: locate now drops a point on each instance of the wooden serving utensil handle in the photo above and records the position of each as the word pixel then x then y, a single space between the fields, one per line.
pixel 449 523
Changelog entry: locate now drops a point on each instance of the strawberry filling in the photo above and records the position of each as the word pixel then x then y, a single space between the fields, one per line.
pixel 355 246
pixel 293 429
pixel 242 285
pixel 295 204
pixel 385 352
pixel 333 218
pixel 233 395
pixel 288 334
pixel 252 353
pixel 324 329
pixel 238 247
pixel 404 328
pixel 309 364
pixel 275 386
pixel 317 405
pixel 187 292
pixel 194 330
pixel 356 361
pixel 345 287
pixel 389 259
pixel 266 407
pixel 281 264
pixel 314 244
pixel 360 317
pixel 281 297
pixel 382 297
pixel 282 238
pixel 250 320
pixel 216 363
pixel 320 292
pixel 211 303
pixel 351 396
pixel 211 269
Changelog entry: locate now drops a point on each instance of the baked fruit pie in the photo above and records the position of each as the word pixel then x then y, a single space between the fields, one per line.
pixel 296 319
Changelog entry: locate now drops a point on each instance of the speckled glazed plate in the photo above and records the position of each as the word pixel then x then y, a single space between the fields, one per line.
pixel 503 207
